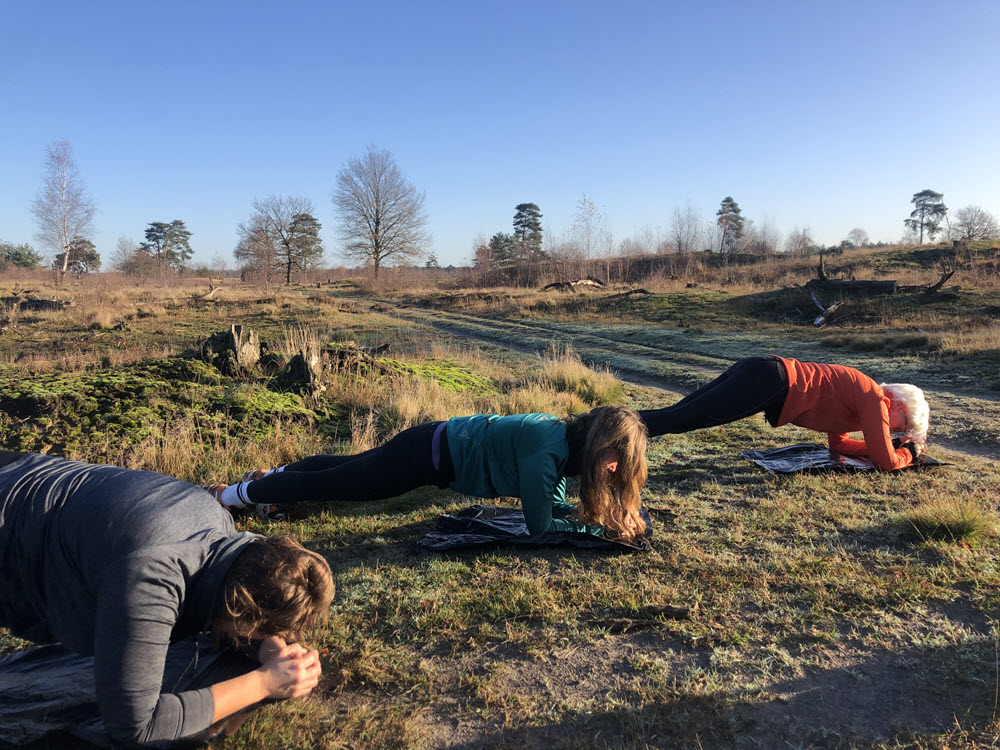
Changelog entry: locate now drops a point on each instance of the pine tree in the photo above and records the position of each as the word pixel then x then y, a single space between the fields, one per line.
pixel 528 231
pixel 81 257
pixel 303 248
pixel 168 243
pixel 927 215
pixel 730 220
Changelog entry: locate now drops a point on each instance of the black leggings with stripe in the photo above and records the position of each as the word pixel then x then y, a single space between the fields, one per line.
pixel 399 465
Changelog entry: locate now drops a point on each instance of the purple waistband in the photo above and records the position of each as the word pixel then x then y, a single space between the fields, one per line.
pixel 436 446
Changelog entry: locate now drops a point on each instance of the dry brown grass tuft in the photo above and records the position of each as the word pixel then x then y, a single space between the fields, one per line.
pixel 565 371
pixel 205 454
pixel 364 435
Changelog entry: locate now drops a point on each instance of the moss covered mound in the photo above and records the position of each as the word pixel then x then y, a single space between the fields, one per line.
pixel 449 374
pixel 71 412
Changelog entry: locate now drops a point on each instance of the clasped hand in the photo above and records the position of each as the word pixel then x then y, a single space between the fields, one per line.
pixel 289 670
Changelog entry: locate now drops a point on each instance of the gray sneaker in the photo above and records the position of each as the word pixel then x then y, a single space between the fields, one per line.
pixel 269 512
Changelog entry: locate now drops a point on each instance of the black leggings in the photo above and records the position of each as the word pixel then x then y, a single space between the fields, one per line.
pixel 751 386
pixel 394 468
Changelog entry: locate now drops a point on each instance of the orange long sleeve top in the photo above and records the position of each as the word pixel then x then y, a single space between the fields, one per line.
pixel 837 400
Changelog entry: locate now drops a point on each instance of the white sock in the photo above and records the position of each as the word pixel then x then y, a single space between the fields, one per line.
pixel 235 495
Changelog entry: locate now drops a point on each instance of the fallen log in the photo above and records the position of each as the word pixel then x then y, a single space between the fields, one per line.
pixel 34 304
pixel 939 288
pixel 588 281
pixel 865 287
pixel 629 293
pixel 825 312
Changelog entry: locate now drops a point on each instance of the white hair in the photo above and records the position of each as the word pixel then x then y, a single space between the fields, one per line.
pixel 917 411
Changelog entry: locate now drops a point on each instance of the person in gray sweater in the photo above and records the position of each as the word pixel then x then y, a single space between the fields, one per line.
pixel 118 565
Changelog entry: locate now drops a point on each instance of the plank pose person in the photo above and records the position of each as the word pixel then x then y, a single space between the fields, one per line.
pixel 833 399
pixel 119 565
pixel 527 456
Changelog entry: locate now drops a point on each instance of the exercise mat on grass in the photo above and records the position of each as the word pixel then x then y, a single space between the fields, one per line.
pixel 48 692
pixel 487 524
pixel 814 457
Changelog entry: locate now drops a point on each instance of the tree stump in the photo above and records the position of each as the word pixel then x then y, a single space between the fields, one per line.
pixel 305 372
pixel 234 352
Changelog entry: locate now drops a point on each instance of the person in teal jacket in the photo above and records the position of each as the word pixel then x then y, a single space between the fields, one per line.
pixel 527 456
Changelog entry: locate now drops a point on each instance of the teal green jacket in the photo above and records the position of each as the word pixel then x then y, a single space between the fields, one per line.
pixel 523 455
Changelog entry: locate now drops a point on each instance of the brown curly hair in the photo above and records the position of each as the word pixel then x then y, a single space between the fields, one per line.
pixel 611 499
pixel 277 587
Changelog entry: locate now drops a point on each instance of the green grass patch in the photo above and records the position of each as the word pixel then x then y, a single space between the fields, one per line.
pixel 948 520
pixel 448 373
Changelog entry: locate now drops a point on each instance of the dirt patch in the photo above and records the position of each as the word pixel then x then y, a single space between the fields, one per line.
pixel 853 697
pixel 868 696
pixel 968 448
pixel 513 689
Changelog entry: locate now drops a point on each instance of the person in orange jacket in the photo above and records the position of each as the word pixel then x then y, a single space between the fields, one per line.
pixel 833 399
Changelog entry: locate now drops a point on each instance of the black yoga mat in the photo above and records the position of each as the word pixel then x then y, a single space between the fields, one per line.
pixel 814 457
pixel 487 524
pixel 48 692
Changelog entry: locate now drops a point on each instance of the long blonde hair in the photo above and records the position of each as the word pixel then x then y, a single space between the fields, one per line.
pixel 277 587
pixel 611 499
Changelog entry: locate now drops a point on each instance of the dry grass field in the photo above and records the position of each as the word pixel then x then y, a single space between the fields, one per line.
pixel 826 611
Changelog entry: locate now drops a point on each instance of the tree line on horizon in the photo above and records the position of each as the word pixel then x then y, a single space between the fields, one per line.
pixel 381 221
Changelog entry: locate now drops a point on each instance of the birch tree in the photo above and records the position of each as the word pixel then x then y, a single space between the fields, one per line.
pixel 62 208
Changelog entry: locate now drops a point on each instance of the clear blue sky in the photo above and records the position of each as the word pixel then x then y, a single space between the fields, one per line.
pixel 827 115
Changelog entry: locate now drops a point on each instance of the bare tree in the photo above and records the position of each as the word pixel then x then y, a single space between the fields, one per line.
pixel 644 241
pixel 761 239
pixel 607 244
pixel 125 251
pixel 62 207
pixel 258 256
pixel 128 258
pixel 975 223
pixel 564 253
pixel 799 242
pixel 686 229
pixel 220 265
pixel 648 239
pixel 858 237
pixel 587 226
pixel 381 214
pixel 293 231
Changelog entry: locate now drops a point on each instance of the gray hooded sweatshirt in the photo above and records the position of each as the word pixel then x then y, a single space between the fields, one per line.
pixel 116 564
